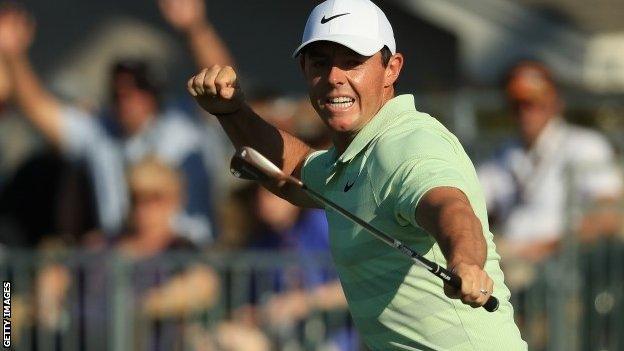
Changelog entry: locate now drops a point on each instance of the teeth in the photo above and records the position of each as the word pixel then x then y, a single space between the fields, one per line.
pixel 339 100
pixel 342 102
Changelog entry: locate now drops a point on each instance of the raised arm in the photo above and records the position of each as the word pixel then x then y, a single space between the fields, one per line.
pixel 446 213
pixel 189 18
pixel 217 91
pixel 39 106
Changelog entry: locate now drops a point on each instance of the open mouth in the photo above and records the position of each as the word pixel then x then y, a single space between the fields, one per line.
pixel 340 103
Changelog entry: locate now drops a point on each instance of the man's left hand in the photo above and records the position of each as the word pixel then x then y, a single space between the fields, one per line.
pixel 476 286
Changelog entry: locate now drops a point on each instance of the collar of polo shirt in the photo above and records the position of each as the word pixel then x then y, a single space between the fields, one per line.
pixel 376 126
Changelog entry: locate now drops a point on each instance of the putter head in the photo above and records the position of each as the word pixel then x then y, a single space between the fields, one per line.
pixel 248 163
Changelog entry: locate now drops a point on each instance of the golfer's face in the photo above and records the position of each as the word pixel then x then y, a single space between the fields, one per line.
pixel 346 89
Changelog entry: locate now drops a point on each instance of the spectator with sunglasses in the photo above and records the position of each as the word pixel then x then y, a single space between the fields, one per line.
pixel 527 185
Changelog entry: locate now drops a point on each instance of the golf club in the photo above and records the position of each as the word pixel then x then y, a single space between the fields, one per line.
pixel 248 163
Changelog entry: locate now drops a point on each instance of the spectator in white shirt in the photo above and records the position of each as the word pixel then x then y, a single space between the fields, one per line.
pixel 527 184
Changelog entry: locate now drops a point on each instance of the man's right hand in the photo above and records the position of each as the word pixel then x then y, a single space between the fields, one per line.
pixel 216 90
pixel 16 30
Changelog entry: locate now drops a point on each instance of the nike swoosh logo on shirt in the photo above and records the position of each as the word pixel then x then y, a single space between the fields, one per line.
pixel 349 186
pixel 325 20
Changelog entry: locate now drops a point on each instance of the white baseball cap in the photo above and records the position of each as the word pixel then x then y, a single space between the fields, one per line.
pixel 357 24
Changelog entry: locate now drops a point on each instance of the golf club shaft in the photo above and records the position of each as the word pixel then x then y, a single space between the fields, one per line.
pixel 250 164
pixel 449 277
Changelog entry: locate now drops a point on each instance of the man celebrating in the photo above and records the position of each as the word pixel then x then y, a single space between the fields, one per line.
pixel 396 168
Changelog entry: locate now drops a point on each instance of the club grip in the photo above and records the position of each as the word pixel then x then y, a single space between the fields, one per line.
pixel 455 281
pixel 491 304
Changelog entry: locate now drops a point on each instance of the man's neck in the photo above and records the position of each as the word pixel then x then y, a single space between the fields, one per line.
pixel 342 140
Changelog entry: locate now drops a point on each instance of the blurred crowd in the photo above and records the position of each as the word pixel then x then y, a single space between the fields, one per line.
pixel 139 177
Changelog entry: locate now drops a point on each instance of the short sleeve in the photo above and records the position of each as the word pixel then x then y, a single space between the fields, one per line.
pixel 416 177
pixel 79 130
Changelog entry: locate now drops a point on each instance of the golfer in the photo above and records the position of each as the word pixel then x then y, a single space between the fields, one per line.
pixel 395 167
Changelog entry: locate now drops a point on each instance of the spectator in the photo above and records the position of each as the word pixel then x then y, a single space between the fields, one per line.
pixel 168 293
pixel 525 183
pixel 312 287
pixel 139 126
pixel 157 194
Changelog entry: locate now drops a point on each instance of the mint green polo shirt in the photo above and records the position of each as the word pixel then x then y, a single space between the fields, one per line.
pixel 396 304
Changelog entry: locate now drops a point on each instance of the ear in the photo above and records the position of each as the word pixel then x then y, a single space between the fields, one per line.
pixel 393 69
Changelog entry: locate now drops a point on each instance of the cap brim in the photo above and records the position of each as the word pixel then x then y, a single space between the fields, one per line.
pixel 363 46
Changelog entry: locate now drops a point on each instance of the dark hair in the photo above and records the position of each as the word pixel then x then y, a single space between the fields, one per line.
pixel 143 74
pixel 386 54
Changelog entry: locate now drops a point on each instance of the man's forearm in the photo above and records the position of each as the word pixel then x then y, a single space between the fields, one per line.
pixel 460 236
pixel 246 128
pixel 447 215
pixel 217 91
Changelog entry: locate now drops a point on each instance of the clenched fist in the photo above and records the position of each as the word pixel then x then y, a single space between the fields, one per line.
pixel 216 90
pixel 477 286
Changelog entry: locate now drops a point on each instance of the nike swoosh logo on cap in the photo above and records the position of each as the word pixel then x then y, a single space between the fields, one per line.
pixel 325 20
